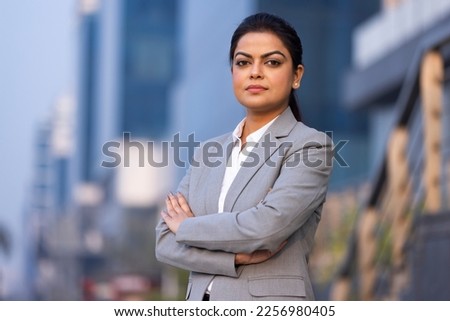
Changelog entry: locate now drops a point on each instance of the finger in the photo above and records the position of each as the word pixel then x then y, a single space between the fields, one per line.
pixel 170 209
pixel 165 216
pixel 283 244
pixel 175 205
pixel 171 223
pixel 265 255
pixel 179 194
pixel 184 204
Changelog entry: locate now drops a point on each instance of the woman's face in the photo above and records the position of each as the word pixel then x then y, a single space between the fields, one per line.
pixel 263 73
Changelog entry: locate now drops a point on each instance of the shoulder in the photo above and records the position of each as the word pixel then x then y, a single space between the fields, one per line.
pixel 305 136
pixel 288 130
pixel 309 146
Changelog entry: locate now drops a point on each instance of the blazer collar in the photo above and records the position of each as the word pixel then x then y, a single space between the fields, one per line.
pixel 284 124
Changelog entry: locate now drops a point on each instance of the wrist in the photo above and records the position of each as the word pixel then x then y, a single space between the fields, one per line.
pixel 237 260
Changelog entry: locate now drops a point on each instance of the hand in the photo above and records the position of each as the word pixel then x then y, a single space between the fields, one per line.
pixel 256 256
pixel 177 211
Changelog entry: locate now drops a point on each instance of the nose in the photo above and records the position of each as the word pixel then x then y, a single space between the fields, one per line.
pixel 256 71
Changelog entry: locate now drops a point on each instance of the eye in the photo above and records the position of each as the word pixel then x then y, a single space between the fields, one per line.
pixel 241 63
pixel 273 62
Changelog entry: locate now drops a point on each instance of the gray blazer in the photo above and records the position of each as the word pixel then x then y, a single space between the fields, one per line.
pixel 276 196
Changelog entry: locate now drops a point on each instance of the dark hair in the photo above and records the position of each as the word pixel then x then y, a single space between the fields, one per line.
pixel 261 22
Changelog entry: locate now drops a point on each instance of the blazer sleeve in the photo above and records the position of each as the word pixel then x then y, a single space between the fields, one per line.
pixel 296 194
pixel 187 257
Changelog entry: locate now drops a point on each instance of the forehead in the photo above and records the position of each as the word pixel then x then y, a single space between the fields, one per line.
pixel 260 43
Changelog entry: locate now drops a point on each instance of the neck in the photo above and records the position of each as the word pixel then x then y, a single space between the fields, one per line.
pixel 255 120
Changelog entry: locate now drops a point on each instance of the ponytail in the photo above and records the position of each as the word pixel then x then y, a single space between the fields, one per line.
pixel 293 104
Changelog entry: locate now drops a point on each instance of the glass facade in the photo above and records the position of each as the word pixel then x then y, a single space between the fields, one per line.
pixel 89 28
pixel 148 65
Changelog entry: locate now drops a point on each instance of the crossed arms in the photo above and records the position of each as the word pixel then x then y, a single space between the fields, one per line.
pixel 242 237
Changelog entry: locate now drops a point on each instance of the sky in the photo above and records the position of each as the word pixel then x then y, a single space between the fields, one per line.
pixel 37 59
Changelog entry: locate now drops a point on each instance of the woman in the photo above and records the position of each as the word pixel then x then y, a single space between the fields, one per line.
pixel 245 228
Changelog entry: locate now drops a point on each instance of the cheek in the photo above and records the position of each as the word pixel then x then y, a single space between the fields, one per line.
pixel 283 81
pixel 237 78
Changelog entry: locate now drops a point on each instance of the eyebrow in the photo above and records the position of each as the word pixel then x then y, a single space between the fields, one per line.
pixel 270 53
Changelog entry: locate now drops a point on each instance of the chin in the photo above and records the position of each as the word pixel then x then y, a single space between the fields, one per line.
pixel 255 104
pixel 261 106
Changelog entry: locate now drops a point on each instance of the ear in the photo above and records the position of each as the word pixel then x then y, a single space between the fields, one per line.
pixel 298 74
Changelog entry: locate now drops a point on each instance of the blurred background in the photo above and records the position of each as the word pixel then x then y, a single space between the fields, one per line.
pixel 76 74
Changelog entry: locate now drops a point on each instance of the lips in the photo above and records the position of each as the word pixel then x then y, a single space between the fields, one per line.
pixel 255 88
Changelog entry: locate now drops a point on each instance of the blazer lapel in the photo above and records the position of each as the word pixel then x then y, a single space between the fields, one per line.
pixel 281 127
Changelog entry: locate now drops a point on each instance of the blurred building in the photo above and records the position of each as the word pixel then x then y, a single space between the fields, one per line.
pixel 384 48
pixel 399 245
pixel 5 250
pixel 96 241
pixel 51 243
